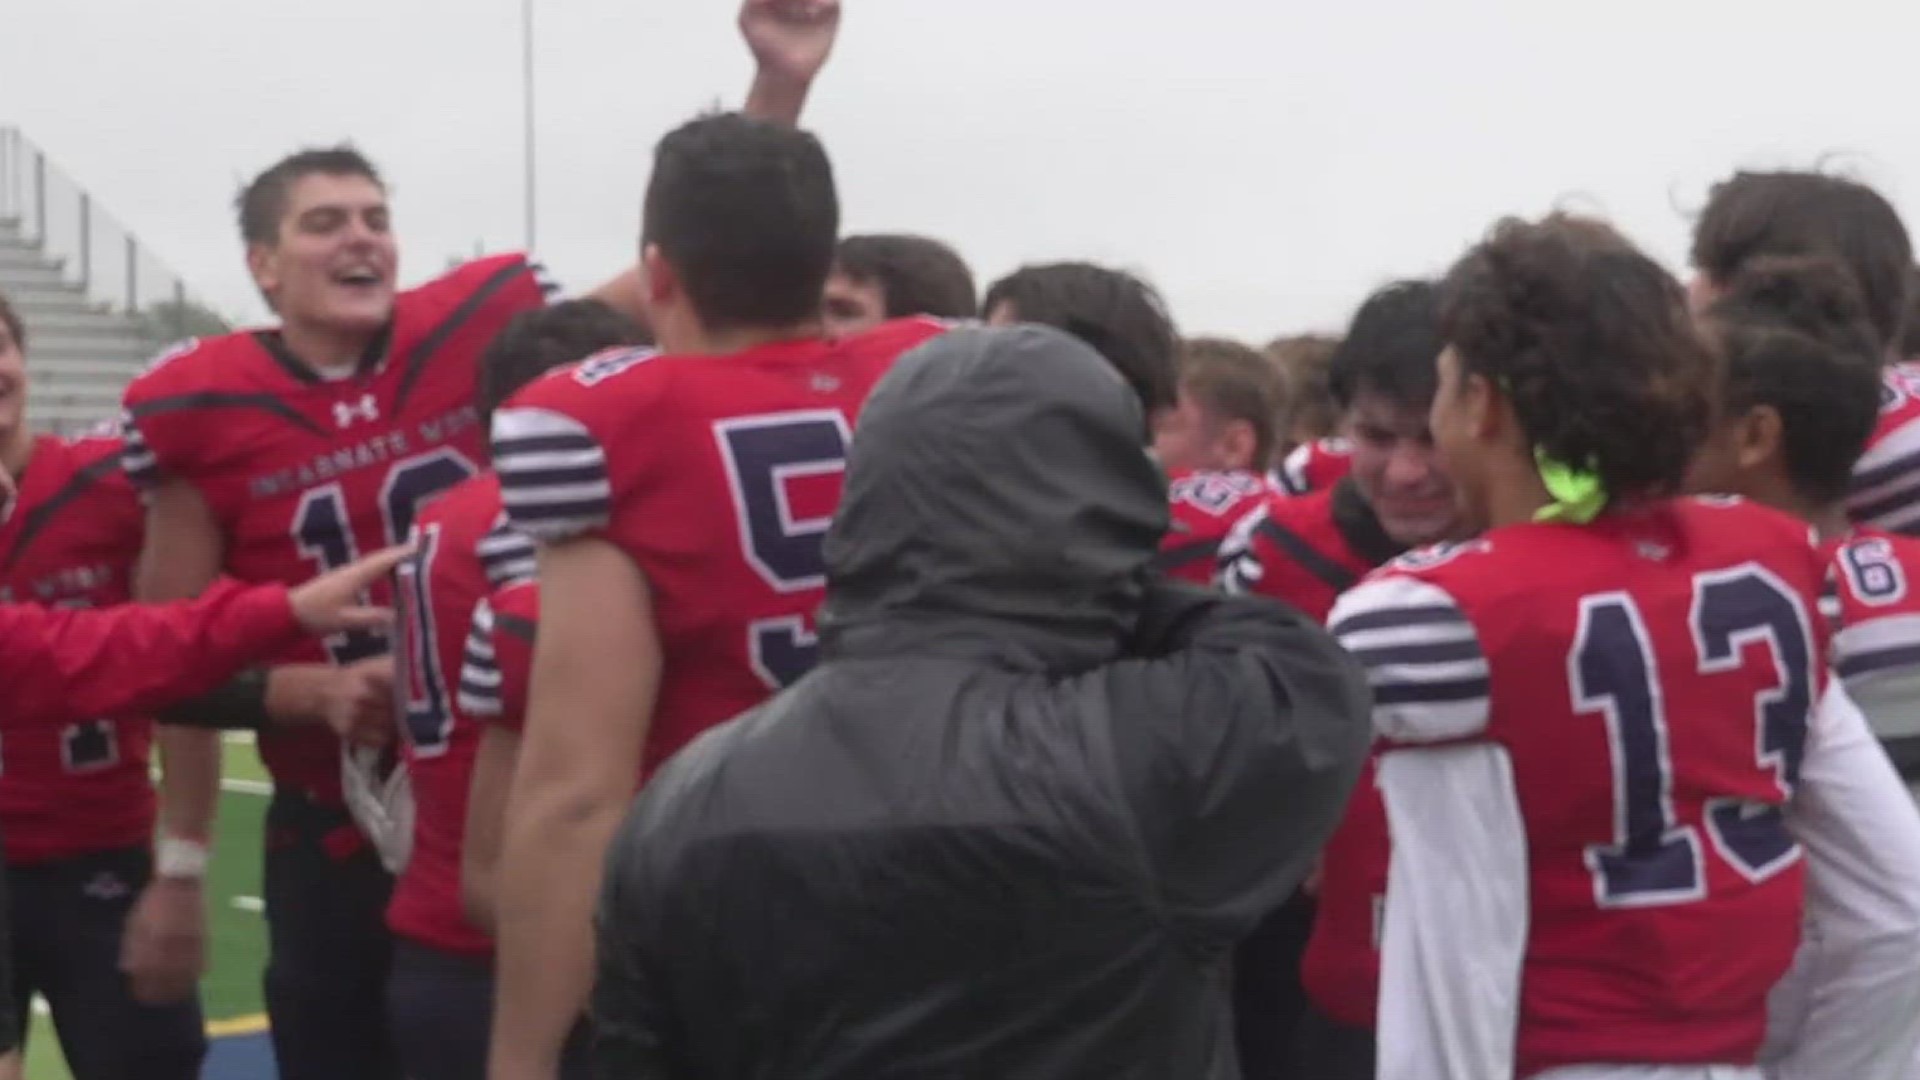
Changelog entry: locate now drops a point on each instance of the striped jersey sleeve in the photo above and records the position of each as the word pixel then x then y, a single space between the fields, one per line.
pixel 1886 480
pixel 553 473
pixel 506 554
pixel 479 693
pixel 136 458
pixel 1237 568
pixel 1429 677
pixel 497 663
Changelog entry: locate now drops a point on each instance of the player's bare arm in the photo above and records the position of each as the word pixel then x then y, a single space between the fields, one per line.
pixel 790 41
pixel 164 950
pixel 493 767
pixel 596 671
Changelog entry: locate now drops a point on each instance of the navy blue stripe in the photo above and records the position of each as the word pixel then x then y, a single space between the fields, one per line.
pixel 1430 693
pixel 512 479
pixel 514 626
pixel 1435 652
pixel 1883 508
pixel 267 403
pixel 1393 618
pixel 1880 474
pixel 42 515
pixel 416 361
pixel 1332 574
pixel 539 444
pixel 1879 660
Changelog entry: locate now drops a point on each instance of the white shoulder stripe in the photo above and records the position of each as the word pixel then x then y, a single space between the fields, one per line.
pixel 479 693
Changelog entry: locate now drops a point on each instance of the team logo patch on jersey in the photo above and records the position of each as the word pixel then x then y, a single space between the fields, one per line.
pixel 345 413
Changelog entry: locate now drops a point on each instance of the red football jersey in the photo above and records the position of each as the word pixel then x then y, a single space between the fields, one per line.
pixel 70 785
pixel 1886 479
pixel 1205 507
pixel 1314 466
pixel 1650 677
pixel 718 476
pixel 306 474
pixel 465 551
pixel 499 659
pixel 1305 551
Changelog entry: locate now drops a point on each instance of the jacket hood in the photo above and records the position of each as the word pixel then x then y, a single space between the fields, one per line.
pixel 997 492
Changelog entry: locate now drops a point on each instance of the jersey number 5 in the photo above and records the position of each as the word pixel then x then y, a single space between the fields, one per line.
pixel 763 454
pixel 323 527
pixel 1656 859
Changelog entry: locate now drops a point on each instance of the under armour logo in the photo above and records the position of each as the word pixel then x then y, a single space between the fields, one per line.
pixel 106 885
pixel 345 412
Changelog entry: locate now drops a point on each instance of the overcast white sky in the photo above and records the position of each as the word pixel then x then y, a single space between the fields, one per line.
pixel 1265 162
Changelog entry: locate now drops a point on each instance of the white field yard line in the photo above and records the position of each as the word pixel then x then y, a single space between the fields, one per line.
pixel 245 787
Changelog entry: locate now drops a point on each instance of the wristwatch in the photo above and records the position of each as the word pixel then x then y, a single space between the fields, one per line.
pixel 180 859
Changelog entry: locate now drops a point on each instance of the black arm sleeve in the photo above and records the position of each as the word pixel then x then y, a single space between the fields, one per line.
pixel 238 705
pixel 1238 735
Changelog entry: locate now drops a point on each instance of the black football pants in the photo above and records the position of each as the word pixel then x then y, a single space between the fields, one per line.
pixel 326 895
pixel 441 1007
pixel 68 919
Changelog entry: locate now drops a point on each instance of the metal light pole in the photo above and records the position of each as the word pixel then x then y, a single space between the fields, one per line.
pixel 527 138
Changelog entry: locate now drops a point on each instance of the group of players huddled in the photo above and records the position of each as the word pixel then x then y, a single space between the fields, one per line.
pixel 1623 561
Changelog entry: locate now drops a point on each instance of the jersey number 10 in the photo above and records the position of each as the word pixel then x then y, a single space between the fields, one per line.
pixel 323 527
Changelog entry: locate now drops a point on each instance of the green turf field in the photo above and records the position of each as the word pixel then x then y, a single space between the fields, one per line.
pixel 238 950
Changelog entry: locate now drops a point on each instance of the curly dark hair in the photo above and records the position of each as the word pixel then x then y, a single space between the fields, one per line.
pixel 1593 344
pixel 1796 337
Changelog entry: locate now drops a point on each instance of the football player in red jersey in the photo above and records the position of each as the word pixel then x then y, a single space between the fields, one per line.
pixel 335 426
pixel 1307 975
pixel 1212 444
pixel 440 993
pixel 270 455
pixel 1800 396
pixel 1753 215
pixel 76 801
pixel 661 617
pixel 1607 725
